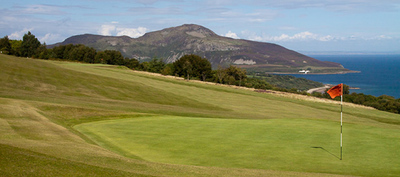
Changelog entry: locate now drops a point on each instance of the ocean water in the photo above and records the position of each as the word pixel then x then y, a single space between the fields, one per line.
pixel 380 74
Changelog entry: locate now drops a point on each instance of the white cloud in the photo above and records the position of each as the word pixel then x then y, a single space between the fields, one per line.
pixel 326 38
pixel 50 38
pixel 309 36
pixel 107 30
pixel 306 35
pixel 19 34
pixel 333 5
pixel 381 37
pixel 262 15
pixel 251 36
pixel 112 29
pixel 131 32
pixel 42 9
pixel 231 35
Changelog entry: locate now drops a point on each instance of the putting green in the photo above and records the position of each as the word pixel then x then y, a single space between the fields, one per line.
pixel 278 144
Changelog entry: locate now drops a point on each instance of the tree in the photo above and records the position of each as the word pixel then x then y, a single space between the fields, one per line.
pixel 204 68
pixel 346 89
pixel 76 53
pixel 67 50
pixel 156 65
pixel 179 67
pixel 90 54
pixel 16 47
pixel 42 52
pixel 188 68
pixel 168 69
pixel 193 66
pixel 144 66
pixel 220 74
pixel 102 57
pixel 235 74
pixel 242 75
pixel 29 45
pixel 116 57
pixel 132 63
pixel 5 45
pixel 58 51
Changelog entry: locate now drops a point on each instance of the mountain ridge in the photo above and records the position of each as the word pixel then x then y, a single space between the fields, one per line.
pixel 172 43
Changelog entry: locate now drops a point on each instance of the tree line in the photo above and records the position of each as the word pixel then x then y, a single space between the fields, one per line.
pixel 188 66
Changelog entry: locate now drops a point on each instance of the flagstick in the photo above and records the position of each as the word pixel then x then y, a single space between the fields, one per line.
pixel 333 92
pixel 341 123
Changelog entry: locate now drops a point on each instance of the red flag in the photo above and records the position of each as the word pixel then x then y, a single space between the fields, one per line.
pixel 336 91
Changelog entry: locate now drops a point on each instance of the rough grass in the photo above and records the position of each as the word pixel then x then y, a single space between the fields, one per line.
pixel 41 102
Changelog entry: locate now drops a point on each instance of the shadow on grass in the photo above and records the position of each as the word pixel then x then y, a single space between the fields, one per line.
pixel 316 147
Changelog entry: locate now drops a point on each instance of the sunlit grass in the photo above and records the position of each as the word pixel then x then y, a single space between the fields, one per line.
pixel 139 124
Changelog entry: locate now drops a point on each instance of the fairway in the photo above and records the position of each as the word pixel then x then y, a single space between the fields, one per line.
pixel 73 119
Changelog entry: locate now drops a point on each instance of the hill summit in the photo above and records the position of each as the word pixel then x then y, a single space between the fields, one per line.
pixel 172 43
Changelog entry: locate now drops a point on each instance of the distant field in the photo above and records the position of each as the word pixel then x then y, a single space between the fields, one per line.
pixel 73 119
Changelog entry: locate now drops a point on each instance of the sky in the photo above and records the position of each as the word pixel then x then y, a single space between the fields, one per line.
pixel 300 25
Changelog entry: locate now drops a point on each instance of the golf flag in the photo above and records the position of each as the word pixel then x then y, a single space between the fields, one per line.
pixel 336 91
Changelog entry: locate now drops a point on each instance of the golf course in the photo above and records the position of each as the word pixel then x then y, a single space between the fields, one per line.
pixel 61 118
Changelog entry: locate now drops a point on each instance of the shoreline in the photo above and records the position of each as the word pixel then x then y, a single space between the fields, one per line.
pixel 320 89
pixel 326 86
pixel 341 72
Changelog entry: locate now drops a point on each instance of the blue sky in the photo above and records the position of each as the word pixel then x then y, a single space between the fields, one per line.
pixel 301 25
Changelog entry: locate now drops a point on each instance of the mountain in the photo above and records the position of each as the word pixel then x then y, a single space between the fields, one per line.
pixel 172 43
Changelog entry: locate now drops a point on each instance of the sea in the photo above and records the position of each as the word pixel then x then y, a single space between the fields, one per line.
pixel 379 74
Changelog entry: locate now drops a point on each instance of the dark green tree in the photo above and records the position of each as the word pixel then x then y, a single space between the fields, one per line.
pixel 168 69
pixel 144 66
pixel 29 45
pixel 188 68
pixel 5 45
pixel 67 51
pixel 132 63
pixel 346 89
pixel 192 66
pixel 156 65
pixel 116 57
pixel 42 52
pixel 235 74
pixel 16 47
pixel 102 57
pixel 204 68
pixel 181 65
pixel 58 51
pixel 90 54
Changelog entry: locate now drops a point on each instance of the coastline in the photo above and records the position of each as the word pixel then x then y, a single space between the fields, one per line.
pixel 340 72
pixel 326 86
pixel 320 89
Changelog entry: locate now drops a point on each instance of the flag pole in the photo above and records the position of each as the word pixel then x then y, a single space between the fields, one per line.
pixel 341 123
pixel 334 92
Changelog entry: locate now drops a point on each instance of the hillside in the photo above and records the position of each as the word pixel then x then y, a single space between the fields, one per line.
pixel 172 43
pixel 73 119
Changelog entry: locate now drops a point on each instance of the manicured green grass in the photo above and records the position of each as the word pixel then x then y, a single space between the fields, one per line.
pixel 133 124
pixel 278 144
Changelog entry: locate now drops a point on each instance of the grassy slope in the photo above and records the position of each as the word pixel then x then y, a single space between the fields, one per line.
pixel 40 101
